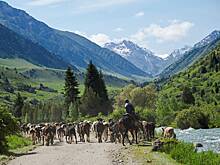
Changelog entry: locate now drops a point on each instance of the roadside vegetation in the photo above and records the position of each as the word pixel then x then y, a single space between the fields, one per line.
pixel 185 153
pixel 17 141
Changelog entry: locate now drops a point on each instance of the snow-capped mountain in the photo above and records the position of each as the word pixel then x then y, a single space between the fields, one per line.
pixel 208 39
pixel 177 54
pixel 141 57
pixel 199 49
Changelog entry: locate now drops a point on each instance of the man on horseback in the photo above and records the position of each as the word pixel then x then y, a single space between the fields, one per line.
pixel 130 110
pixel 129 122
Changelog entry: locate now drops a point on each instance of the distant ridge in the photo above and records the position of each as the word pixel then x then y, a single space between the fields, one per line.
pixel 13 45
pixel 71 47
pixel 189 57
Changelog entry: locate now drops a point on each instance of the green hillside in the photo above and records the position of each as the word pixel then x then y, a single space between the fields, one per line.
pixel 18 75
pixel 195 90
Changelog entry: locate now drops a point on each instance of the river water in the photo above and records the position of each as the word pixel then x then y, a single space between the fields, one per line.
pixel 209 138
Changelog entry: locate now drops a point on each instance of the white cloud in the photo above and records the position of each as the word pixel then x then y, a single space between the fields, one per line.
pixel 139 14
pixel 175 31
pixel 118 29
pixel 88 5
pixel 44 2
pixel 100 38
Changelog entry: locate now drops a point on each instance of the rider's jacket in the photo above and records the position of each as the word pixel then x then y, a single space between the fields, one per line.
pixel 129 108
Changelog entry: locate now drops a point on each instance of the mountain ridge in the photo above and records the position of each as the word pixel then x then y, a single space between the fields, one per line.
pixel 65 46
pixel 189 57
pixel 13 45
pixel 143 58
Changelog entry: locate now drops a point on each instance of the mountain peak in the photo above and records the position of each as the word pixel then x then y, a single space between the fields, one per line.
pixel 208 39
pixel 3 3
pixel 215 32
pixel 126 47
pixel 141 57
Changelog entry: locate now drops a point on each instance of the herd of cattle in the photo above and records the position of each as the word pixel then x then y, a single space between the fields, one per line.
pixel 115 131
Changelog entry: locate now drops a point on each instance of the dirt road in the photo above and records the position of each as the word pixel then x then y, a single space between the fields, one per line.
pixel 70 154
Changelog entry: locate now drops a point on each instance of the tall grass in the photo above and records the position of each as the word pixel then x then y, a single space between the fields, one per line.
pixel 17 141
pixel 185 153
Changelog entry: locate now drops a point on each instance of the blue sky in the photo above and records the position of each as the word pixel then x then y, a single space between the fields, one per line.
pixel 159 25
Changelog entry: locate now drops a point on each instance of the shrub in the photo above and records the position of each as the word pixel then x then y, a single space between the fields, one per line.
pixel 192 117
pixel 17 141
pixel 117 113
pixel 146 114
pixel 184 153
pixel 8 125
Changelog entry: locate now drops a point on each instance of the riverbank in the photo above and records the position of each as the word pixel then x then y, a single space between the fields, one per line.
pixel 186 153
pixel 142 154
pixel 209 138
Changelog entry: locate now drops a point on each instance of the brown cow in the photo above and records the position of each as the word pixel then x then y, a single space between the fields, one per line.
pixel 168 132
pixel 33 135
pixel 149 129
pixel 105 132
pixel 48 134
pixel 100 129
pixel 60 132
pixel 83 128
pixel 115 135
pixel 70 132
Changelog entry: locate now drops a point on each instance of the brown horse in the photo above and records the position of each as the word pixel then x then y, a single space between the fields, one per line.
pixel 128 124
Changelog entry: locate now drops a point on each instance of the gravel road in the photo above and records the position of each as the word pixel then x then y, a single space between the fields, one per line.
pixel 70 154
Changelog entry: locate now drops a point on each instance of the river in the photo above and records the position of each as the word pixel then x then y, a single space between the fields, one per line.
pixel 209 138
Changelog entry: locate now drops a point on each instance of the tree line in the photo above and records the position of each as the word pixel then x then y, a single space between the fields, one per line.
pixel 71 106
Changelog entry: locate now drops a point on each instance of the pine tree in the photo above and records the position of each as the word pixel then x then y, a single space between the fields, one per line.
pixel 187 96
pixel 95 97
pixel 73 112
pixel 92 79
pixel 18 105
pixel 71 88
pixel 102 88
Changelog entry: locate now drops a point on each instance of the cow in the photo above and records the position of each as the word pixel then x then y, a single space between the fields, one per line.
pixel 100 129
pixel 149 129
pixel 105 131
pixel 114 132
pixel 48 134
pixel 38 130
pixel 25 129
pixel 168 132
pixel 33 135
pixel 60 131
pixel 86 129
pixel 70 132
pixel 83 128
pixel 94 128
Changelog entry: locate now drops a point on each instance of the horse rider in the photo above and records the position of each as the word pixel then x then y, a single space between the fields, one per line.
pixel 130 111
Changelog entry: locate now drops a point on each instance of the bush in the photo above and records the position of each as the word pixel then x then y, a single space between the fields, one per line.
pixel 192 117
pixel 17 141
pixel 117 113
pixel 184 153
pixel 146 114
pixel 8 125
